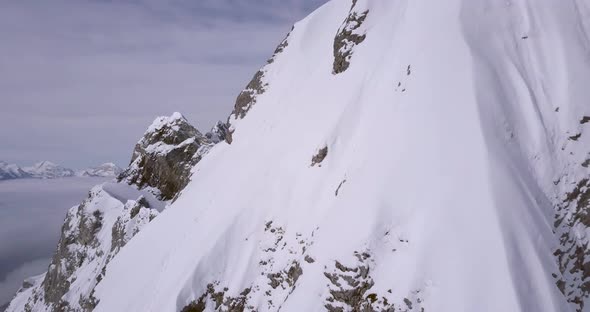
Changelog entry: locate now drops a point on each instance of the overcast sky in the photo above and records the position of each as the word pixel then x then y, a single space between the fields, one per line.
pixel 81 80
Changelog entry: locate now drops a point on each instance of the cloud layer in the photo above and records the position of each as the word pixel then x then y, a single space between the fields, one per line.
pixel 81 80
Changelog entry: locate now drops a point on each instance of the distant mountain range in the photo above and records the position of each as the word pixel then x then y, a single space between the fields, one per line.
pixel 49 170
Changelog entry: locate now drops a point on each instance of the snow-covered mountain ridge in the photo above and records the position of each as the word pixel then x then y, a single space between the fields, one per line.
pixel 49 170
pixel 104 170
pixel 391 156
pixel 11 171
pixel 114 212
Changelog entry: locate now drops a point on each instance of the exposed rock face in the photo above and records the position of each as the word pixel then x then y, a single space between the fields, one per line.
pixel 95 231
pixel 351 290
pixel 218 133
pixel 573 255
pixel 247 97
pixel 163 158
pixel 92 234
pixel 219 300
pixel 78 242
pixel 349 35
pixel 319 156
pixel 257 86
pixel 572 218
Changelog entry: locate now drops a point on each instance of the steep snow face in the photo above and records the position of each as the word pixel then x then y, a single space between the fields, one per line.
pixel 104 170
pixel 164 156
pixel 11 171
pixel 425 175
pixel 48 170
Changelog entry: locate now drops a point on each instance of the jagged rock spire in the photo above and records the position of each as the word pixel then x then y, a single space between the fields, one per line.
pixel 164 156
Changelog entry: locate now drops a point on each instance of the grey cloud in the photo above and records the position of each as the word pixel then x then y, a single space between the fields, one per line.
pixel 81 80
pixel 14 279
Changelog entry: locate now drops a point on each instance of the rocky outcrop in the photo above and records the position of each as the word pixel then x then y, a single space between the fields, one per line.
pixel 257 86
pixel 319 156
pixel 351 289
pixel 218 133
pixel 572 219
pixel 95 231
pixel 349 35
pixel 92 234
pixel 78 243
pixel 573 254
pixel 163 158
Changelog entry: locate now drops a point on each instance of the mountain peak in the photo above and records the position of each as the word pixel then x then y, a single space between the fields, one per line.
pixel 11 171
pixel 164 156
pixel 166 121
pixel 44 164
pixel 48 170
pixel 105 170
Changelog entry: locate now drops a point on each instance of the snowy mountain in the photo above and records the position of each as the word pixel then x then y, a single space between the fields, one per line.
pixel 391 156
pixel 96 230
pixel 11 171
pixel 104 170
pixel 163 158
pixel 48 170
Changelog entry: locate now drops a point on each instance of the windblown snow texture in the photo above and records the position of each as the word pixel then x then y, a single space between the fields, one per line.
pixel 454 176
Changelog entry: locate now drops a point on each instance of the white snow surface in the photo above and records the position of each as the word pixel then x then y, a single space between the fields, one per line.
pixel 163 121
pixel 446 131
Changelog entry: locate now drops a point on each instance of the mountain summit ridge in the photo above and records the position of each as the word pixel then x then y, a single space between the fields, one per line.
pixel 49 170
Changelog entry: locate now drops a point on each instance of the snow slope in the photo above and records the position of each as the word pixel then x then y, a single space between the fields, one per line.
pixel 427 174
